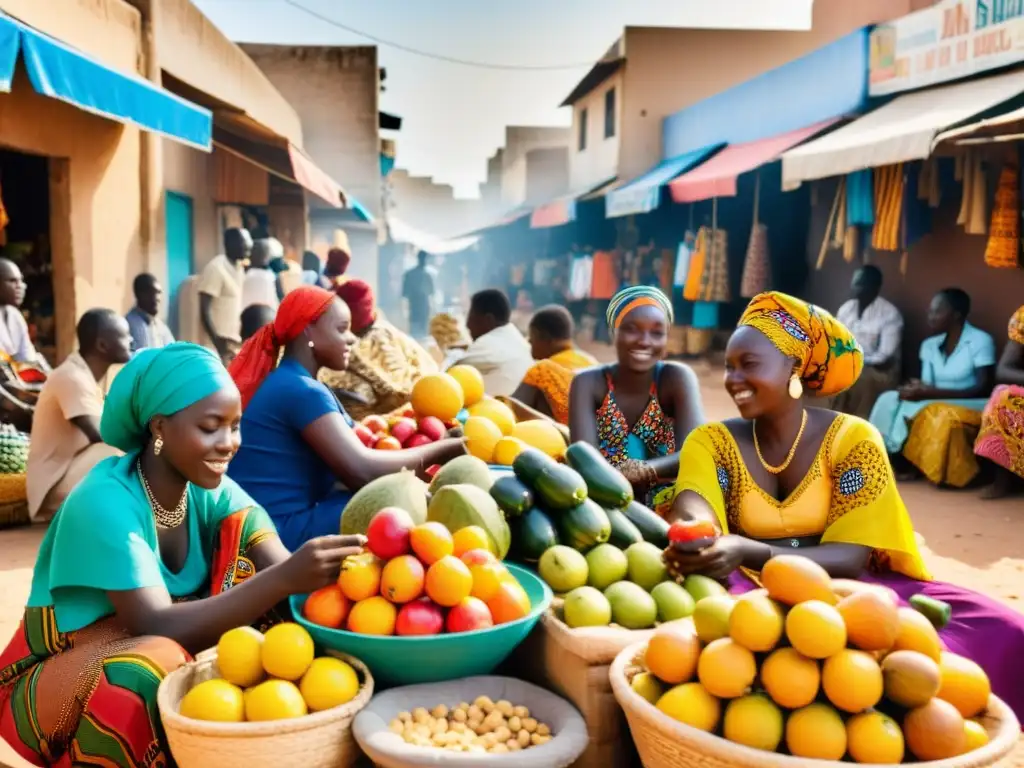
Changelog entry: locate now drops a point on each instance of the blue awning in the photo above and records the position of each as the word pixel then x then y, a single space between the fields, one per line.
pixel 644 193
pixel 361 210
pixel 61 72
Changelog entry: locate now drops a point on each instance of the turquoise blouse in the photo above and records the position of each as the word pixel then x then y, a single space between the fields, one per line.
pixel 975 350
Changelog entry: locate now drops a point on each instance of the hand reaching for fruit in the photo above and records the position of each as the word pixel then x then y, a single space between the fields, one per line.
pixel 715 557
pixel 317 563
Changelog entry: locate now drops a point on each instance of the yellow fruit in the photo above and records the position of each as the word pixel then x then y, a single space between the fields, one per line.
pixel 672 654
pixel 756 623
pixel 487 578
pixel 874 738
pixel 753 721
pixel 216 700
pixel 274 700
pixel 287 651
pixel 964 684
pixel 691 704
pixel 916 633
pixel 935 731
pixel 495 411
pixel 726 669
pixel 911 679
pixel 816 629
pixel 852 680
pixel 648 686
pixel 469 538
pixel 328 682
pixel 360 577
pixel 816 732
pixel 792 579
pixel 471 381
pixel 872 621
pixel 507 449
pixel 975 735
pixel 542 435
pixel 373 616
pixel 791 679
pixel 482 436
pixel 449 581
pixel 438 395
pixel 239 656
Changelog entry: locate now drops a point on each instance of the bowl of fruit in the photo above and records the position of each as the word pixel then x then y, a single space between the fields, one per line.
pixel 423 605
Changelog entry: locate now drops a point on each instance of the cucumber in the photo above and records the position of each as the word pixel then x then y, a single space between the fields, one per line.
pixel 584 526
pixel 534 534
pixel 513 497
pixel 624 532
pixel 937 612
pixel 605 484
pixel 651 526
pixel 529 465
pixel 559 488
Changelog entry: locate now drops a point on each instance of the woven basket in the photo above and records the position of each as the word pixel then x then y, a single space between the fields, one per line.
pixel 12 488
pixel 665 743
pixel 320 740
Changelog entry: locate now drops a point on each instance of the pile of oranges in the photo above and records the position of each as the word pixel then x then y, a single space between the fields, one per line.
pixel 820 668
pixel 428 583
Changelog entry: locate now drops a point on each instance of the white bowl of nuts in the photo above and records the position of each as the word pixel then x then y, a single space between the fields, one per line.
pixel 475 721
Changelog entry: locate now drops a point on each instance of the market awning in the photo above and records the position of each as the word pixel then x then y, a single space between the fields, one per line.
pixel 562 210
pixel 1008 126
pixel 717 177
pixel 61 72
pixel 644 193
pixel 902 130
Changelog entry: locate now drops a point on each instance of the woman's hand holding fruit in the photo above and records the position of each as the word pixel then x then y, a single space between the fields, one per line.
pixel 317 563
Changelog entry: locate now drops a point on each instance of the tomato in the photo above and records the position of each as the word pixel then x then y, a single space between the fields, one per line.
pixel 690 530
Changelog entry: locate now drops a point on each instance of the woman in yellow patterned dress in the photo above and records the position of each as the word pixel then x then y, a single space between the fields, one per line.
pixel 788 479
pixel 545 387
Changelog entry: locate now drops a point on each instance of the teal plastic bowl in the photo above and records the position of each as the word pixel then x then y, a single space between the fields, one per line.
pixel 434 658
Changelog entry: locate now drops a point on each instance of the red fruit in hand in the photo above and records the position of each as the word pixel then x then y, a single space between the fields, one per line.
pixel 376 424
pixel 432 427
pixel 415 441
pixel 365 435
pixel 690 530
pixel 402 429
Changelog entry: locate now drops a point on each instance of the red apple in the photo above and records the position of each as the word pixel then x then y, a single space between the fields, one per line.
pixel 387 536
pixel 469 615
pixel 478 557
pixel 366 437
pixel 376 424
pixel 402 429
pixel 432 427
pixel 420 617
pixel 415 441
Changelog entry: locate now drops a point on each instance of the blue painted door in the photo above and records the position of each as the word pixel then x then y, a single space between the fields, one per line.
pixel 178 216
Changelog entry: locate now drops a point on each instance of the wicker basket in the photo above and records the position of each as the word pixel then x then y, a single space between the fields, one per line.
pixel 13 501
pixel 665 743
pixel 320 740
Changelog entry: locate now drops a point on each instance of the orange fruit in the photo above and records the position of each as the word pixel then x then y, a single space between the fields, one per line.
pixel 449 581
pixel 756 622
pixel 431 541
pixel 874 738
pixel 439 395
pixel 402 579
pixel 360 577
pixel 816 629
pixel 691 704
pixel 852 680
pixel 327 607
pixel 510 603
pixel 791 679
pixel 373 616
pixel 935 731
pixel 471 381
pixel 478 556
pixel 975 735
pixel 469 538
pixel 487 577
pixel 482 436
pixel 726 669
pixel 496 411
pixel 964 684
pixel 671 654
pixel 916 633
pixel 387 443
pixel 816 731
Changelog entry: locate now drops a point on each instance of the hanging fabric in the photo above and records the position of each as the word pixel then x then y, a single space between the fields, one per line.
pixel 928 188
pixel 695 276
pixel 841 226
pixel 889 183
pixel 860 198
pixel 715 285
pixel 851 244
pixel 757 264
pixel 973 205
pixel 830 224
pixel 1001 250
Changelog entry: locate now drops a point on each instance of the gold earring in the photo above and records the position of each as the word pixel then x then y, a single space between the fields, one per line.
pixel 796 387
pixel 158 445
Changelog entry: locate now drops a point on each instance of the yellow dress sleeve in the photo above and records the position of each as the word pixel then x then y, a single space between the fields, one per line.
pixel 866 506
pixel 1016 329
pixel 701 471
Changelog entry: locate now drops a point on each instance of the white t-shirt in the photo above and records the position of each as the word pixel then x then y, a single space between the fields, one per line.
pixel 259 287
pixel 221 280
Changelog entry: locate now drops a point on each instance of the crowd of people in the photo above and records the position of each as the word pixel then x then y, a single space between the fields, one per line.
pixel 210 483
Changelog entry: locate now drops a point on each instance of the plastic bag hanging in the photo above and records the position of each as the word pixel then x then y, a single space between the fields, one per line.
pixel 757 264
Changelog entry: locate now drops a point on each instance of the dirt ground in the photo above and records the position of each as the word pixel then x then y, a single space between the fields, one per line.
pixel 976 544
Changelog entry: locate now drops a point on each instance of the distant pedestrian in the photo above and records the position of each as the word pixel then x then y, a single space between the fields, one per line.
pixel 418 291
pixel 144 322
pixel 220 293
pixel 260 285
pixel 338 260
pixel 254 317
pixel 15 341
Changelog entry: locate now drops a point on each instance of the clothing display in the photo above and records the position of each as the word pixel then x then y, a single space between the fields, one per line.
pixel 860 199
pixel 973 214
pixel 682 266
pixel 1003 247
pixel 889 181
pixel 604 280
pixel 581 275
pixel 695 273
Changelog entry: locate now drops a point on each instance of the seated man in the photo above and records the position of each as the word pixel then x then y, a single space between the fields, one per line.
pixel 499 351
pixel 144 322
pixel 66 440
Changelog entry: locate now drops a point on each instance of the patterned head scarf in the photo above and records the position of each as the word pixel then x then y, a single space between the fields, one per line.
pixel 628 299
pixel 830 360
pixel 158 381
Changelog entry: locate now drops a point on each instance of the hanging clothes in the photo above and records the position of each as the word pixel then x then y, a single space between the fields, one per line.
pixel 705 315
pixel 973 205
pixel 715 282
pixel 1001 250
pixel 683 254
pixel 928 188
pixel 604 282
pixel 756 265
pixel 860 199
pixel 581 271
pixel 917 212
pixel 695 275
pixel 889 183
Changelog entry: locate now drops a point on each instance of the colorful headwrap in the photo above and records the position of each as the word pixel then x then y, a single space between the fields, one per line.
pixel 628 299
pixel 830 360
pixel 259 354
pixel 359 296
pixel 158 381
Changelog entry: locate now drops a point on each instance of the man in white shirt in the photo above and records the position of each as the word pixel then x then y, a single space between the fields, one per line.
pixel 220 293
pixel 15 340
pixel 499 351
pixel 260 284
pixel 878 327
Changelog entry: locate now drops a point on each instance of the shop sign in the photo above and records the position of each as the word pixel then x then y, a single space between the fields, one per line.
pixel 950 40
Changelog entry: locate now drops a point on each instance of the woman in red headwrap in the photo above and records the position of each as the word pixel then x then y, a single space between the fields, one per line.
pixel 385 362
pixel 300 458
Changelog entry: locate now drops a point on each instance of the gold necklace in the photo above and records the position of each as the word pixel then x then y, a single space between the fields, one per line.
pixel 792 451
pixel 165 518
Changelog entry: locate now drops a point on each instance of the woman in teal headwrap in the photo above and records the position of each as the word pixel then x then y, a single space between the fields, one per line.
pixel 152 557
pixel 638 411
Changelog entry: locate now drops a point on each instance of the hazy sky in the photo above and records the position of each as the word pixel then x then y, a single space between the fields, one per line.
pixel 455 115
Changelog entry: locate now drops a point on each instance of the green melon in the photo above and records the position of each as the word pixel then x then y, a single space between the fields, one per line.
pixel 464 470
pixel 459 506
pixel 401 489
